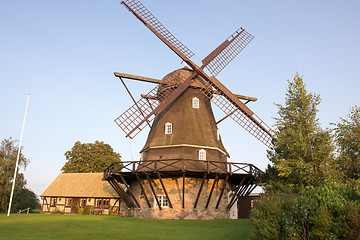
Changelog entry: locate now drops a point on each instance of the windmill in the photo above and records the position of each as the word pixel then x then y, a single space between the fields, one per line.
pixel 183 171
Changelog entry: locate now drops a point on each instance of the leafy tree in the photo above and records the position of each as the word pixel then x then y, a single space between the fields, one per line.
pixel 304 198
pixel 347 138
pixel 89 157
pixel 302 154
pixel 25 198
pixel 8 155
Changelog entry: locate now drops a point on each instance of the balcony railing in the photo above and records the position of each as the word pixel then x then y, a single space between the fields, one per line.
pixel 181 165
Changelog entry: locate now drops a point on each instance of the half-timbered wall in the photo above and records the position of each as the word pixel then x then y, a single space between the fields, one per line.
pixel 69 205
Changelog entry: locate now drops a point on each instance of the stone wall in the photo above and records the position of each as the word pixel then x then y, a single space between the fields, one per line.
pixel 174 188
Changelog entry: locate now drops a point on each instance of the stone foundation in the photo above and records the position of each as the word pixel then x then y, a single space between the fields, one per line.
pixel 174 188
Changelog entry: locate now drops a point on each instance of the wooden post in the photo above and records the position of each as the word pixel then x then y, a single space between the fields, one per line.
pixel 163 186
pixel 183 191
pixel 237 189
pixel 211 191
pixel 142 189
pixel 222 191
pixel 128 188
pixel 121 192
pixel 200 189
pixel 153 191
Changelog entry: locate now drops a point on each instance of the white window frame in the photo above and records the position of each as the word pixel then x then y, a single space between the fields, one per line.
pixel 164 202
pixel 218 134
pixel 168 128
pixel 195 102
pixel 202 154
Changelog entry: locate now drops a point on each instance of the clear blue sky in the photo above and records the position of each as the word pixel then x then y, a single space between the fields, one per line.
pixel 64 54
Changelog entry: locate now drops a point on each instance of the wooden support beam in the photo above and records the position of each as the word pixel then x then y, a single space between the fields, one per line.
pixel 227 116
pixel 131 193
pixel 240 96
pixel 147 97
pixel 211 191
pixel 237 189
pixel 117 187
pixel 153 191
pixel 163 186
pixel 122 193
pixel 157 81
pixel 142 189
pixel 222 191
pixel 127 89
pixel 183 191
pixel 134 77
pixel 114 204
pixel 239 193
pixel 201 186
pixel 247 193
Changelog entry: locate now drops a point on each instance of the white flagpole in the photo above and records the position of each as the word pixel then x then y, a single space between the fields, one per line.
pixel 18 156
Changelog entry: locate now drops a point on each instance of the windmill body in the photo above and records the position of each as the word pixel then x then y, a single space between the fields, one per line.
pixel 184 171
pixel 192 123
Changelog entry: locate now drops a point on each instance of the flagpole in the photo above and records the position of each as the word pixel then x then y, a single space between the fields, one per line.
pixel 18 156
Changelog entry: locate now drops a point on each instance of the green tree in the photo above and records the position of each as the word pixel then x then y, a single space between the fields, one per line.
pixel 89 157
pixel 8 155
pixel 25 198
pixel 347 138
pixel 303 152
pixel 304 198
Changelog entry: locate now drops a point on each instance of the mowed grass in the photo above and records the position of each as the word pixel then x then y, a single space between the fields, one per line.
pixel 53 226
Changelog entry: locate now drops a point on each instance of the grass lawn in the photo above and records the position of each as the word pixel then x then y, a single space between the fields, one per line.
pixel 53 226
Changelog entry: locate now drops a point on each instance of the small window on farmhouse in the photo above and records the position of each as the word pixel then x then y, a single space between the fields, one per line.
pixel 202 154
pixel 195 102
pixel 102 203
pixel 68 202
pixel 53 201
pixel 168 128
pixel 163 201
pixel 106 203
pixel 83 202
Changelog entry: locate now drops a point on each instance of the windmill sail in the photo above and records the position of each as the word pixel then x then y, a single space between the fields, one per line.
pixel 238 111
pixel 132 120
pixel 216 61
pixel 151 22
pixel 135 119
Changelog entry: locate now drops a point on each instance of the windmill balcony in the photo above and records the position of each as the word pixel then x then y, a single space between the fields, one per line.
pixel 172 167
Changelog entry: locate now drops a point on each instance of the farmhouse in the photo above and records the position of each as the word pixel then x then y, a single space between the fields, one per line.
pixel 72 191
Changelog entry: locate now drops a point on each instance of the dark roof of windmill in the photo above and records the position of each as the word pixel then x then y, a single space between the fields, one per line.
pixel 191 126
pixel 181 75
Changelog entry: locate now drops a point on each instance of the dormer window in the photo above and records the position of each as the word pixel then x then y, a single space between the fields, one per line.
pixel 202 154
pixel 168 128
pixel 195 102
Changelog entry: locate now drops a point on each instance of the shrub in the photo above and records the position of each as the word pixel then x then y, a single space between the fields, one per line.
pixel 329 211
pixel 84 210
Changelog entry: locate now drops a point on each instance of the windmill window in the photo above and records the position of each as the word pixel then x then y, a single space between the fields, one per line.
pixel 218 134
pixel 168 128
pixel 195 102
pixel 163 201
pixel 202 154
